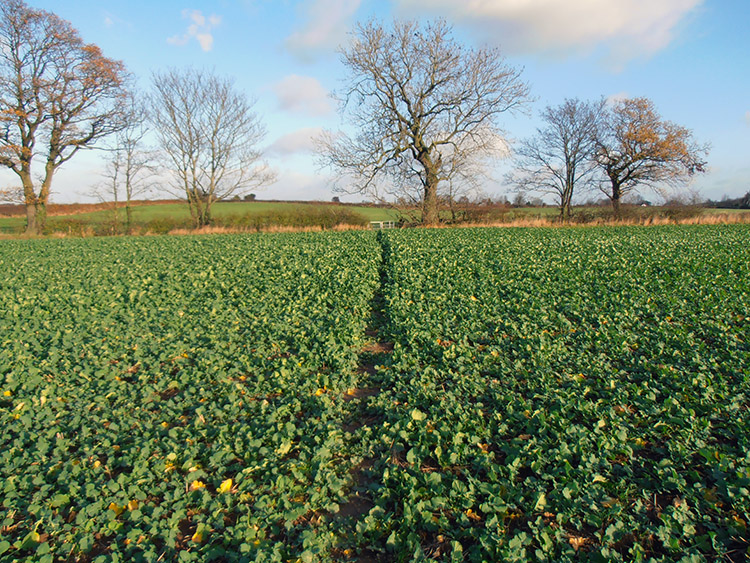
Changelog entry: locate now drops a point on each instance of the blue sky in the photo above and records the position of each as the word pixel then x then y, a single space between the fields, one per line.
pixel 691 57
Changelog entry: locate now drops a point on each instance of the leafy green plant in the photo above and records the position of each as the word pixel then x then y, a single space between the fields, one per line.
pixel 554 395
pixel 575 394
pixel 168 397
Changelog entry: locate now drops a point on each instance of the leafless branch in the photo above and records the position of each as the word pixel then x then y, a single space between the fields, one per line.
pixel 559 159
pixel 209 135
pixel 425 109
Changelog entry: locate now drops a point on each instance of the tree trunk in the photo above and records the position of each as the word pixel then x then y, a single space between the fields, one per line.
pixel 207 214
pixel 33 226
pixel 203 211
pixel 31 219
pixel 564 212
pixel 36 217
pixel 116 217
pixel 128 218
pixel 430 205
pixel 565 199
pixel 616 201
pixel 41 201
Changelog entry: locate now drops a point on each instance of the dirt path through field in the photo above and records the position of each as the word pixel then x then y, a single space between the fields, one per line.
pixel 363 416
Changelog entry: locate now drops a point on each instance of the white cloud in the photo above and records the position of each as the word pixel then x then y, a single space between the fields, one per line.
pixel 625 28
pixel 301 186
pixel 612 99
pixel 300 141
pixel 326 27
pixel 206 41
pixel 108 21
pixel 200 29
pixel 302 94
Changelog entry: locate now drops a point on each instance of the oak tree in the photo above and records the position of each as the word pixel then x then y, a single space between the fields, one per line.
pixel 58 95
pixel 425 109
pixel 209 135
pixel 636 148
pixel 558 160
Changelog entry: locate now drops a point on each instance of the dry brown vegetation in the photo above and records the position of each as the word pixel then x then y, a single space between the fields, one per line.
pixel 653 220
pixel 63 209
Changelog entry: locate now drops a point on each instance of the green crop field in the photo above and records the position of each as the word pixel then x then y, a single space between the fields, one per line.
pixel 577 394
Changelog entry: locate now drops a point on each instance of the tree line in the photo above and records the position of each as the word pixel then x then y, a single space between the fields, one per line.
pixel 425 111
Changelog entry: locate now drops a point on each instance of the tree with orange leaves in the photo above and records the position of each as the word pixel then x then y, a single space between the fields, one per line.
pixel 635 147
pixel 58 95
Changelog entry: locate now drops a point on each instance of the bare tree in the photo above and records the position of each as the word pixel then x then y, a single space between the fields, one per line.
pixel 636 148
pixel 209 135
pixel 12 195
pixel 425 108
pixel 57 96
pixel 559 158
pixel 129 171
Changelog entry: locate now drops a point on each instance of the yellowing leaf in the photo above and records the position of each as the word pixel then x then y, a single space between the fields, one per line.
pixel 133 505
pixel 116 508
pixel 226 486
pixel 417 414
pixel 197 537
pixel 473 515
pixel 541 502
pixel 196 485
pixel 577 542
pixel 284 448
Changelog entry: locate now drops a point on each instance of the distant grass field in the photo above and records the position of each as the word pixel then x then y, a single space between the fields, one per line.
pixel 161 217
pixel 144 215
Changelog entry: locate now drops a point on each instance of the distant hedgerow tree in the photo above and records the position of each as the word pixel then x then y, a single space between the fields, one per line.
pixel 130 170
pixel 210 135
pixel 559 159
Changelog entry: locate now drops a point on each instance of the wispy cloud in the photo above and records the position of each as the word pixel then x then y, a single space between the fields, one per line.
pixel 302 94
pixel 325 28
pixel 612 99
pixel 200 29
pixel 301 186
pixel 625 29
pixel 296 142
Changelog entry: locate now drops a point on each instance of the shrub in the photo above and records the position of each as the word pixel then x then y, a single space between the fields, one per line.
pixel 324 217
